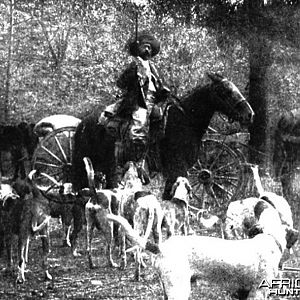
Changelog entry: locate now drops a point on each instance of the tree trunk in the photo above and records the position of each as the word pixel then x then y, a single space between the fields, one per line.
pixel 259 54
pixel 259 61
pixel 5 101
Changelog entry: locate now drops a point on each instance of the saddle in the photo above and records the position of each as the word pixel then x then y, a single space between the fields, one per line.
pixel 125 149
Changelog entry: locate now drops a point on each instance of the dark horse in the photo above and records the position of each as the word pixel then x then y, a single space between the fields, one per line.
pixel 15 139
pixel 184 130
pixel 186 122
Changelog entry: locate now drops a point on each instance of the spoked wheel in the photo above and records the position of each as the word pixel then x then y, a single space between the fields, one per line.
pixel 53 157
pixel 217 177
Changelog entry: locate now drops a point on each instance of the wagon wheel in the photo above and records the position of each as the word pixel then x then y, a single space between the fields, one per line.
pixel 217 177
pixel 53 157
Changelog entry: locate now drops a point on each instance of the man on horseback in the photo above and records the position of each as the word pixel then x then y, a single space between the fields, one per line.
pixel 143 91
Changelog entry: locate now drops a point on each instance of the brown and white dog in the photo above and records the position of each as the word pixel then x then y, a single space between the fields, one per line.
pixel 175 211
pixel 240 215
pixel 236 266
pixel 34 218
pixel 11 205
pixel 101 202
pixel 132 188
pixel 147 219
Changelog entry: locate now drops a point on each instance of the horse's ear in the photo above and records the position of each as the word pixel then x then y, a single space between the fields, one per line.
pixel 215 77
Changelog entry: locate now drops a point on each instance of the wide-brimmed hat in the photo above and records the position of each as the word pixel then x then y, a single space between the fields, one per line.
pixel 143 37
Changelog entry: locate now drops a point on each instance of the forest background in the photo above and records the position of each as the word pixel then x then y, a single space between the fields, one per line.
pixel 64 56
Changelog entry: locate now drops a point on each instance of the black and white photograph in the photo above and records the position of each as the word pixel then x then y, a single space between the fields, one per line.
pixel 149 149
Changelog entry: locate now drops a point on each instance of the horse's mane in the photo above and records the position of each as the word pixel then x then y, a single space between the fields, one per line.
pixel 192 94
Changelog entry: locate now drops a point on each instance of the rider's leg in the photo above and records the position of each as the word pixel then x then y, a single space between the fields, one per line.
pixel 139 133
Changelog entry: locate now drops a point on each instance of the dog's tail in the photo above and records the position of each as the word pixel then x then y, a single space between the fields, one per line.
pixel 133 235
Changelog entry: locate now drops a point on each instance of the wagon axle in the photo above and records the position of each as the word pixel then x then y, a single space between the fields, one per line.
pixel 205 176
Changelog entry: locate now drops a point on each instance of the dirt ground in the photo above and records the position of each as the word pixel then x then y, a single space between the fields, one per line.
pixel 72 278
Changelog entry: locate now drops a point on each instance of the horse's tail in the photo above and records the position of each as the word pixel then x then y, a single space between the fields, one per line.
pixel 133 235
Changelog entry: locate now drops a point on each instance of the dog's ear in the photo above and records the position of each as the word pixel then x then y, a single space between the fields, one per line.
pixel 142 174
pixel 259 208
pixel 291 237
pixel 255 230
pixel 267 199
pixel 174 187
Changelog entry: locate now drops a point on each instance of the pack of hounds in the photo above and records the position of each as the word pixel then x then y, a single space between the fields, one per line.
pixel 259 231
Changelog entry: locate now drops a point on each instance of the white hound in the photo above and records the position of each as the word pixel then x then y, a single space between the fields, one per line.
pixel 237 266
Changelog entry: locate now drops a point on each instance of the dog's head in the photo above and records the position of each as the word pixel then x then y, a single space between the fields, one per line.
pixel 133 171
pixel 269 222
pixel 181 189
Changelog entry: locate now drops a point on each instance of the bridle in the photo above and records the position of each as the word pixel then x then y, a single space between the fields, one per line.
pixel 225 100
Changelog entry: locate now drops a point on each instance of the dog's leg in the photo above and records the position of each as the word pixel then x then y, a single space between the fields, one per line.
pixel 176 281
pixel 66 219
pixel 186 222
pixel 21 250
pixel 138 263
pixel 8 245
pixel 26 251
pixel 78 217
pixel 138 227
pixel 67 231
pixel 46 251
pixel 157 233
pixel 90 225
pixel 109 245
pixel 123 249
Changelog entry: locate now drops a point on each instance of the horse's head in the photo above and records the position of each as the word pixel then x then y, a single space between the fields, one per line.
pixel 230 101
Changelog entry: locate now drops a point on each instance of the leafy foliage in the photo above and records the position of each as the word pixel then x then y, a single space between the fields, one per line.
pixel 67 55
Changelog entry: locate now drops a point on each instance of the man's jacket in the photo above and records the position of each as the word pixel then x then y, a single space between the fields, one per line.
pixel 135 88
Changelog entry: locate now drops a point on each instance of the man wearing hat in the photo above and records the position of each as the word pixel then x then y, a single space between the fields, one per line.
pixel 142 90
